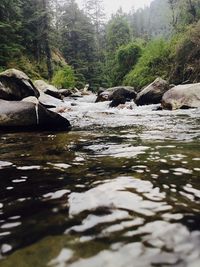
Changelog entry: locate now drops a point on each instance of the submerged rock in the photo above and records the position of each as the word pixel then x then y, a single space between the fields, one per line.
pixel 182 96
pixel 51 90
pixel 153 93
pixel 24 115
pixel 118 95
pixel 16 85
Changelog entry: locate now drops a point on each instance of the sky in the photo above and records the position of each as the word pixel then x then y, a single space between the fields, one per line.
pixel 111 6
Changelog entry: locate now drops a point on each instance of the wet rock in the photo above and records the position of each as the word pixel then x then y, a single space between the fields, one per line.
pixel 16 85
pixel 51 90
pixel 65 92
pixel 153 93
pixel 85 90
pixel 17 115
pixel 118 95
pixel 102 96
pixel 121 95
pixel 182 96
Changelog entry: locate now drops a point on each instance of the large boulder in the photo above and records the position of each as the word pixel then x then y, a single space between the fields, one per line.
pixel 182 96
pixel 51 90
pixel 117 95
pixel 17 115
pixel 153 93
pixel 16 85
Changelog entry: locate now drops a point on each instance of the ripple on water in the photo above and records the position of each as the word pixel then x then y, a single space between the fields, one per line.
pixel 118 151
pixel 119 194
pixel 79 186
pixel 4 164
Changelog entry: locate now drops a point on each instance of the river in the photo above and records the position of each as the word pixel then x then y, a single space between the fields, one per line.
pixel 122 188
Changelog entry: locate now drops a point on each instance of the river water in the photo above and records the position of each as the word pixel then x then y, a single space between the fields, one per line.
pixel 122 188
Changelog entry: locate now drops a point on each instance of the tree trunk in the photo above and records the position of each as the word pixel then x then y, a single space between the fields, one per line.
pixel 46 40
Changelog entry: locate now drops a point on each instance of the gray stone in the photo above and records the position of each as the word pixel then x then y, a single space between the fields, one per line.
pixel 16 85
pixel 51 90
pixel 153 93
pixel 17 115
pixel 182 96
pixel 118 95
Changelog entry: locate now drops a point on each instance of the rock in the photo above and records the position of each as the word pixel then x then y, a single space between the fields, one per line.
pixel 49 101
pixel 16 85
pixel 121 95
pixel 153 93
pixel 65 92
pixel 43 86
pixel 182 96
pixel 17 115
pixel 103 96
pixel 31 99
pixel 118 95
pixel 85 90
pixel 51 90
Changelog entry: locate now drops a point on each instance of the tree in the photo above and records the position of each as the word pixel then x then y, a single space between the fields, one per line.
pixel 46 29
pixel 78 45
pixel 173 6
pixel 94 9
pixel 118 31
pixel 35 31
pixel 10 25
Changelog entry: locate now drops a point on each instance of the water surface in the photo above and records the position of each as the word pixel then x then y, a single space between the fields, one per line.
pixel 121 189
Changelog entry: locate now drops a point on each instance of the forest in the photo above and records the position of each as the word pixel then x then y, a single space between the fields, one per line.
pixel 69 46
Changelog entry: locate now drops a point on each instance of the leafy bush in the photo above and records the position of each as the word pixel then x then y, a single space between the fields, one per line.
pixel 127 55
pixel 154 62
pixel 125 58
pixel 64 78
pixel 185 54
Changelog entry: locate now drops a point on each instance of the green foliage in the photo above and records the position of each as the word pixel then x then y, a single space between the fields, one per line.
pixel 185 55
pixel 154 62
pixel 29 66
pixel 127 56
pixel 101 55
pixel 9 30
pixel 118 32
pixel 78 42
pixel 64 78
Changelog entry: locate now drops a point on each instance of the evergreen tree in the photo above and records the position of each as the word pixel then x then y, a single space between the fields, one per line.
pixel 78 44
pixel 94 9
pixel 35 31
pixel 118 33
pixel 10 24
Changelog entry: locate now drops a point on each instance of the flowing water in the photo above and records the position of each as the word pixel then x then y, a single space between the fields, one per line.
pixel 121 189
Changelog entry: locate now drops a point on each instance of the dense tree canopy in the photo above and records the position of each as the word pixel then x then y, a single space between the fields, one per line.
pixel 51 37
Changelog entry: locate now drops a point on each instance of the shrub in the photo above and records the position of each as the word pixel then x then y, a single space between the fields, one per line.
pixel 186 56
pixel 127 55
pixel 125 58
pixel 154 62
pixel 64 78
